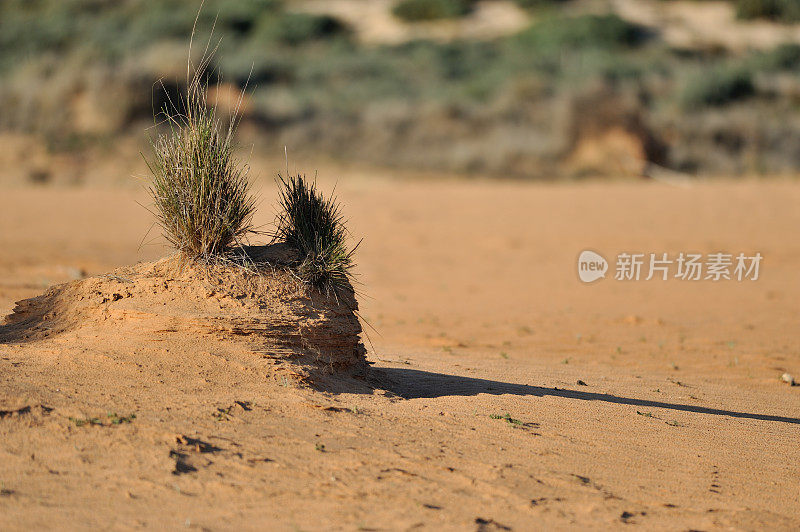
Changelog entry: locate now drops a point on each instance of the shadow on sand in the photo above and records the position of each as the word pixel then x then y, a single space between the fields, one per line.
pixel 414 384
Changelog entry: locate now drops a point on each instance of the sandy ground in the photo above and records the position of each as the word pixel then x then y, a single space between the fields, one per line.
pixel 653 403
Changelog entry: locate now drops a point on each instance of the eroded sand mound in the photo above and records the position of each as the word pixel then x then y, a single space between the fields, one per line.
pixel 183 304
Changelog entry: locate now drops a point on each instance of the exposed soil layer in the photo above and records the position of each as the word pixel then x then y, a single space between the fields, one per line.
pixel 261 305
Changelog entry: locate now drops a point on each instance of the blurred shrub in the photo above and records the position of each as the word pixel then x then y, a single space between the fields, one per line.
pixel 240 16
pixel 783 57
pixel 419 10
pixel 779 10
pixel 718 87
pixel 604 31
pixel 294 29
pixel 256 66
pixel 533 4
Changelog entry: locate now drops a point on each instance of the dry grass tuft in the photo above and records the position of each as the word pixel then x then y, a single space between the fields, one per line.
pixel 200 191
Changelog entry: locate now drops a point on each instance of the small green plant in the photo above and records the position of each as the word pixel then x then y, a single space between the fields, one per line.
pixel 507 418
pixel 200 192
pixel 119 420
pixel 314 225
pixel 80 422
pixel 112 417
pixel 223 414
pixel 418 10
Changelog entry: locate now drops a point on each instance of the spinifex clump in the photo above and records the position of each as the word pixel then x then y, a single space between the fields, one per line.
pixel 201 193
pixel 314 225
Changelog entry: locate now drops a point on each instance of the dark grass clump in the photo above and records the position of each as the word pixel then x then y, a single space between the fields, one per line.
pixel 201 193
pixel 314 225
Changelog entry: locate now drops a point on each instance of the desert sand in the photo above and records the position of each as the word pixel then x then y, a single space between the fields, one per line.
pixel 504 393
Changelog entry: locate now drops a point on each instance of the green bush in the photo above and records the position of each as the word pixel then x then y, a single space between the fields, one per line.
pixel 294 29
pixel 240 16
pixel 787 11
pixel 534 4
pixel 419 10
pixel 718 87
pixel 783 57
pixel 587 31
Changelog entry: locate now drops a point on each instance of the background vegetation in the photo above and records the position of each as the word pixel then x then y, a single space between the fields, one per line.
pixel 515 105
